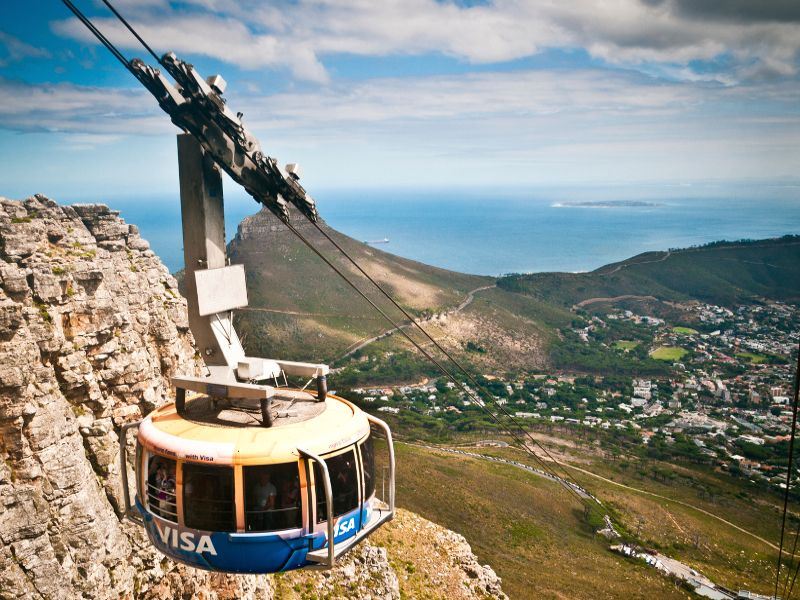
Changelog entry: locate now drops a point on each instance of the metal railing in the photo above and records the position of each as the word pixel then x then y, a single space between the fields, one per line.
pixel 326 480
pixel 290 514
pixel 157 504
pixel 123 472
pixel 328 559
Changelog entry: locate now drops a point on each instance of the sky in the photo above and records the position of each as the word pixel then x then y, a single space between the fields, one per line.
pixel 415 93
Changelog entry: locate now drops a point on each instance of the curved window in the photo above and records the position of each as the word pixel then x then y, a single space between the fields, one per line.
pixel 272 497
pixel 368 460
pixel 161 498
pixel 208 497
pixel 344 485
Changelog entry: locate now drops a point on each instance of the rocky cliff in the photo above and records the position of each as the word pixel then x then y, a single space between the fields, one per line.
pixel 91 329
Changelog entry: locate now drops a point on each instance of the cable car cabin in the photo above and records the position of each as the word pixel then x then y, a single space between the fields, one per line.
pixel 218 490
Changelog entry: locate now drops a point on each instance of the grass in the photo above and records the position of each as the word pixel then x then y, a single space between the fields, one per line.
pixel 669 353
pixel 625 345
pixel 752 358
pixel 685 330
pixel 43 312
pixel 527 528
pixel 728 556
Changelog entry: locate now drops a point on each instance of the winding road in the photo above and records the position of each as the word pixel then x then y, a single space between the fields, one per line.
pixel 406 324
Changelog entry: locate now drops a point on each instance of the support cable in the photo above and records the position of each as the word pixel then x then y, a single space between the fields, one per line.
pixel 789 479
pixel 133 31
pixel 564 480
pixel 98 34
pixel 427 355
pixel 452 359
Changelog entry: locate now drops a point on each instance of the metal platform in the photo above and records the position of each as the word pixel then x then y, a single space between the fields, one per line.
pixel 287 407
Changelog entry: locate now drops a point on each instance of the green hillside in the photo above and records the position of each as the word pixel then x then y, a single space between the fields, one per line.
pixel 296 300
pixel 722 273
pixel 300 309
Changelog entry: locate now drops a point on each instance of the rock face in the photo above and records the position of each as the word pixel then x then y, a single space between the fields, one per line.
pixel 92 327
pixel 410 557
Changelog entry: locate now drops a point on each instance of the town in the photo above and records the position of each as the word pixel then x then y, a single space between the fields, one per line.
pixel 718 391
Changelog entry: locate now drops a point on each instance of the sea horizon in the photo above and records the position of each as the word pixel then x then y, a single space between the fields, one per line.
pixel 508 231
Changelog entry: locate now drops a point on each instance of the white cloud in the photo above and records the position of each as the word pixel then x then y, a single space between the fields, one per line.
pixel 516 95
pixel 298 36
pixel 70 108
pixel 517 127
pixel 15 50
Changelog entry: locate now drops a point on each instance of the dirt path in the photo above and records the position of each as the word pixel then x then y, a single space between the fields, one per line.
pixel 643 262
pixel 470 297
pixel 406 324
pixel 588 301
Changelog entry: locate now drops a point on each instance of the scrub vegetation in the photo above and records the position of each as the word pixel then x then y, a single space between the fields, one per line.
pixel 532 533
pixel 719 273
pixel 533 521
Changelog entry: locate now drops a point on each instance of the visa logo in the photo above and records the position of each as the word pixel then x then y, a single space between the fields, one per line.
pixel 185 540
pixel 344 526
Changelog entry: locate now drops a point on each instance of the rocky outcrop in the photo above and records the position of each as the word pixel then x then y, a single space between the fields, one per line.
pixel 92 327
pixel 410 557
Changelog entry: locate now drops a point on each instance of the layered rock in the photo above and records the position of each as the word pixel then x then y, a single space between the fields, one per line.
pixel 410 557
pixel 92 327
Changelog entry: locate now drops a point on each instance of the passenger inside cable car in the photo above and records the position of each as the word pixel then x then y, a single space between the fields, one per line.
pixel 208 497
pixel 272 497
pixel 161 487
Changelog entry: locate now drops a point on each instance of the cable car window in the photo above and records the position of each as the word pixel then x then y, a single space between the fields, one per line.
pixel 272 497
pixel 208 498
pixel 344 485
pixel 161 487
pixel 368 459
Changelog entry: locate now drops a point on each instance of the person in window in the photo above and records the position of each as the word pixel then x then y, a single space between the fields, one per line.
pixel 344 489
pixel 153 484
pixel 290 501
pixel 157 476
pixel 166 493
pixel 264 495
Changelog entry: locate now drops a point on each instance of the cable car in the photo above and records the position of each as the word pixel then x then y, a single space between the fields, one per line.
pixel 218 490
pixel 243 473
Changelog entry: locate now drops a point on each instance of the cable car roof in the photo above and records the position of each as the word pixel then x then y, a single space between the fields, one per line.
pixel 232 435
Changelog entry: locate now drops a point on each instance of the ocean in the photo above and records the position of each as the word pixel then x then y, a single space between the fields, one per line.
pixel 493 233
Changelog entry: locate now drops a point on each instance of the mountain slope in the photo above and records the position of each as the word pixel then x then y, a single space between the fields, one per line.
pixel 722 273
pixel 300 309
pixel 296 300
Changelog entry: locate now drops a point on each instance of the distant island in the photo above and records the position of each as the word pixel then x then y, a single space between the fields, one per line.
pixel 607 204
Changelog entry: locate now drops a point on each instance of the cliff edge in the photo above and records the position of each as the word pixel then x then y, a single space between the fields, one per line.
pixel 92 327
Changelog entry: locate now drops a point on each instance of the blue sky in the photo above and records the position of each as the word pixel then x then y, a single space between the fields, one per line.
pixel 639 94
